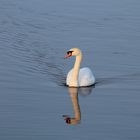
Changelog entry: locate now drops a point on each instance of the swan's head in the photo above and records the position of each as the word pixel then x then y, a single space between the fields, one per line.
pixel 73 52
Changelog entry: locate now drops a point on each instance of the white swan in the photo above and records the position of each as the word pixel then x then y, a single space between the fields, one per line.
pixel 79 77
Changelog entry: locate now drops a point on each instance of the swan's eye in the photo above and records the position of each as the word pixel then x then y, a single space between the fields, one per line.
pixel 69 52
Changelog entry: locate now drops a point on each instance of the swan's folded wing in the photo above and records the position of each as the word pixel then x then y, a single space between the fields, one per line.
pixel 86 78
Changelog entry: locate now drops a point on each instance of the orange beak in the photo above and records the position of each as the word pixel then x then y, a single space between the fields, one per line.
pixel 67 55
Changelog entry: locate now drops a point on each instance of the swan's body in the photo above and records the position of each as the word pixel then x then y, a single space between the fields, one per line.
pixel 85 77
pixel 79 77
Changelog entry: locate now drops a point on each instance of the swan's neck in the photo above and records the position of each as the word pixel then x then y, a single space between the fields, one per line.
pixel 76 69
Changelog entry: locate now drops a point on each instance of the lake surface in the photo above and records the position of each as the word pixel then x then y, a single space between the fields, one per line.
pixel 34 37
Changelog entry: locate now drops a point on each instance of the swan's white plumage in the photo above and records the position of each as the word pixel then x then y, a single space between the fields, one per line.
pixel 85 78
pixel 78 77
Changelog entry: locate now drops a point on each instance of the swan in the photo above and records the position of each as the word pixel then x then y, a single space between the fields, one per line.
pixel 77 77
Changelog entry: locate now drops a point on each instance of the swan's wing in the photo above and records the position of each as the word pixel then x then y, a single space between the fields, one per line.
pixel 86 77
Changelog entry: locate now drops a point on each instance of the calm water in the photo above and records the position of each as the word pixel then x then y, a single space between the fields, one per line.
pixel 34 36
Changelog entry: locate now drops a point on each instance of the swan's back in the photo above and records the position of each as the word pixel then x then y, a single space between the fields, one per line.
pixel 86 78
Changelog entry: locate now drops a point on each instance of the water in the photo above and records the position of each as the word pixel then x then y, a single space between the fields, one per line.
pixel 34 36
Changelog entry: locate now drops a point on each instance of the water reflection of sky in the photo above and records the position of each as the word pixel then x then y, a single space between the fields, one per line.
pixel 35 34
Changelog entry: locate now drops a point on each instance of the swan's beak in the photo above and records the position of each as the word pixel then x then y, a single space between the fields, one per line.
pixel 69 54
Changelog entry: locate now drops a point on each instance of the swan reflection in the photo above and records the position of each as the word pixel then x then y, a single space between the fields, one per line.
pixel 74 92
